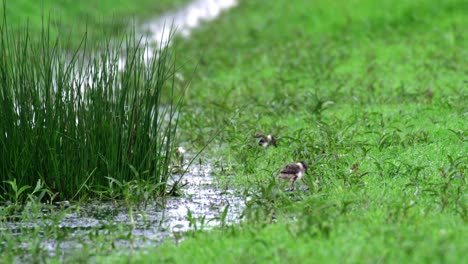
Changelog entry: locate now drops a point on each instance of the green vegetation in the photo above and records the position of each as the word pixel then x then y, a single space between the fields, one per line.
pixel 380 86
pixel 72 19
pixel 81 126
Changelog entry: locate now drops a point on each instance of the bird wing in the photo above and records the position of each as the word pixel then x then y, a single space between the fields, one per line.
pixel 260 136
pixel 291 169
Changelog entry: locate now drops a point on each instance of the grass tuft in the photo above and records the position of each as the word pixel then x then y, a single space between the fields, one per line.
pixel 78 123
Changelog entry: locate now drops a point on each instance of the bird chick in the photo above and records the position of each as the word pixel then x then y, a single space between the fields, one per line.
pixel 266 140
pixel 293 172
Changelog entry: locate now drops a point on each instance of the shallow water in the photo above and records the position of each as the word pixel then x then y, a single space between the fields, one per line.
pixel 185 19
pixel 151 225
pixel 181 21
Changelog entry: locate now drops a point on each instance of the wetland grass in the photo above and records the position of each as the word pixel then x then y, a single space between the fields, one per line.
pixel 76 123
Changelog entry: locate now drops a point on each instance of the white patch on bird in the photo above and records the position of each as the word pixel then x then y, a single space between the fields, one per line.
pixel 300 165
pixel 299 175
pixel 269 138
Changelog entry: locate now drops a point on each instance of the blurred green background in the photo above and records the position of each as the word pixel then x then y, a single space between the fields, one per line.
pixel 73 18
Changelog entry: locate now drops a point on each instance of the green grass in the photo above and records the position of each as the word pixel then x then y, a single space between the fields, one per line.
pixel 72 19
pixel 378 83
pixel 347 241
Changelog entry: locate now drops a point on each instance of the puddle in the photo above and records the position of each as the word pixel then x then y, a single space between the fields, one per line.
pixel 151 225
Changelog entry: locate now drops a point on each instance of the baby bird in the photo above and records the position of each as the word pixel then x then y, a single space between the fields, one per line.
pixel 266 140
pixel 293 172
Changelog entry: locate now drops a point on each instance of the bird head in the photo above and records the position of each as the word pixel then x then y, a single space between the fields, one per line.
pixel 263 140
pixel 304 164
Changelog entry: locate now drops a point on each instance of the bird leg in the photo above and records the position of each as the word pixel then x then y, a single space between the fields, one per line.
pixel 293 180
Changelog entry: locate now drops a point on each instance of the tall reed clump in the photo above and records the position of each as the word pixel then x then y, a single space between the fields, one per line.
pixel 75 121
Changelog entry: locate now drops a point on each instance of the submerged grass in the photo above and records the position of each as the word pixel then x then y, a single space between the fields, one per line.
pixel 77 123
